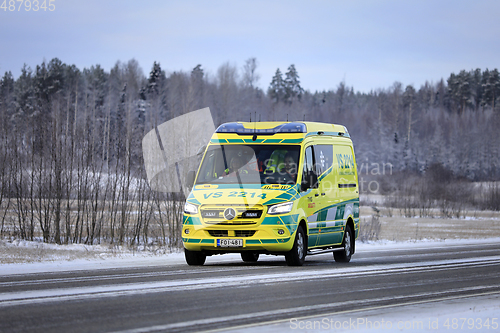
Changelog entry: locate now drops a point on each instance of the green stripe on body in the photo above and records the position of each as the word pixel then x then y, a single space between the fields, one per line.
pixel 191 220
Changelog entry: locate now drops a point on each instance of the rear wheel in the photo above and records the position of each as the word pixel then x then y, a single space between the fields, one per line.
pixel 194 258
pixel 347 246
pixel 249 256
pixel 297 255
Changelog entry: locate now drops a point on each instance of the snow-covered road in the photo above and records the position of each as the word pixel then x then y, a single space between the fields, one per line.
pixel 423 286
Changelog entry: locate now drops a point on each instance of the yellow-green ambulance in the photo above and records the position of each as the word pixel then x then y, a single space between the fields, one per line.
pixel 279 188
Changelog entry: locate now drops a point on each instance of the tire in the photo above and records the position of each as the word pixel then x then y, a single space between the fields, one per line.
pixel 347 247
pixel 249 256
pixel 297 255
pixel 194 258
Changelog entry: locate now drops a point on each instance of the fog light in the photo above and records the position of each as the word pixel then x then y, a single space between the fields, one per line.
pixel 186 231
pixel 281 231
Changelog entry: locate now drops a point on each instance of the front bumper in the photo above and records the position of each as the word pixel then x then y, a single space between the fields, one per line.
pixel 269 234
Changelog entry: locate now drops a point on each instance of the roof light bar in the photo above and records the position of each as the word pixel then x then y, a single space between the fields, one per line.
pixel 238 128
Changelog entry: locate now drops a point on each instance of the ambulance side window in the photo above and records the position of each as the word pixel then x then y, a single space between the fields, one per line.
pixel 323 158
pixel 309 177
pixel 308 160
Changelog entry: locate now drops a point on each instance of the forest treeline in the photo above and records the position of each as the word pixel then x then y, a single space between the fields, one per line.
pixel 71 168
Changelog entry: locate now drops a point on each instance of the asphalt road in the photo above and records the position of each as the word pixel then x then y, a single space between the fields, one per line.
pixel 228 293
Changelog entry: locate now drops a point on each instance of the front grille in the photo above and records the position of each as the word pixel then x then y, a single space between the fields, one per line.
pixel 237 233
pixel 211 213
pixel 218 233
pixel 251 214
pixel 233 222
pixel 245 215
pixel 244 233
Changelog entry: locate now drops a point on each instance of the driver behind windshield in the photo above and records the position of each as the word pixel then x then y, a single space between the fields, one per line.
pixel 289 167
pixel 235 165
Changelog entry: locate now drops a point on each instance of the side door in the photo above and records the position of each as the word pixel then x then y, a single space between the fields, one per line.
pixel 327 224
pixel 310 198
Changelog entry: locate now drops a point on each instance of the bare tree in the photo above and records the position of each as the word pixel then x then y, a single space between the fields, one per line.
pixel 250 75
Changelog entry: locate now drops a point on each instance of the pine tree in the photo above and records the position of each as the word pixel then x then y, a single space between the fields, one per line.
pixel 409 99
pixel 56 70
pixel 197 73
pixel 6 97
pixel 495 81
pixel 152 92
pixel 487 93
pixel 425 96
pixel 465 90
pixel 459 89
pixel 293 89
pixel 155 77
pixel 197 88
pixel 477 88
pixel 491 86
pixel 7 84
pixel 276 90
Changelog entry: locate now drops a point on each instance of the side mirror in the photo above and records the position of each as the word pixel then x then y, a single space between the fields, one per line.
pixel 190 179
pixel 304 185
pixel 309 180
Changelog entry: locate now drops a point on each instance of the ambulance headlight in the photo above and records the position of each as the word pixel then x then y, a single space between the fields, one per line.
pixel 189 208
pixel 282 208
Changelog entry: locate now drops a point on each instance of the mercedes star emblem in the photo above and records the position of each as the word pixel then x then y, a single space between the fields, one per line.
pixel 229 213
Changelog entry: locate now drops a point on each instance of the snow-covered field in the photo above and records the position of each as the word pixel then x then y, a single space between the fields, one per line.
pixel 18 257
pixel 86 257
pixel 394 225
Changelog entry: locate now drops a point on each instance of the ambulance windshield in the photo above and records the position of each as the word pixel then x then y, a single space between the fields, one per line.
pixel 250 164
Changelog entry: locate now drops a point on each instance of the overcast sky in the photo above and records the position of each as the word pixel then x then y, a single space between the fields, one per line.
pixel 367 44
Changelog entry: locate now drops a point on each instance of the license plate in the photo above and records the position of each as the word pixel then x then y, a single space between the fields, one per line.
pixel 229 242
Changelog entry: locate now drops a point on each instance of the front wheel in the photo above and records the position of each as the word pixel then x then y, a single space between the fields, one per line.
pixel 194 258
pixel 347 246
pixel 297 255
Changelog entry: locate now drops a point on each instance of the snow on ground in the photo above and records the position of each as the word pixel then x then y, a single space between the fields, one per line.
pixel 23 257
